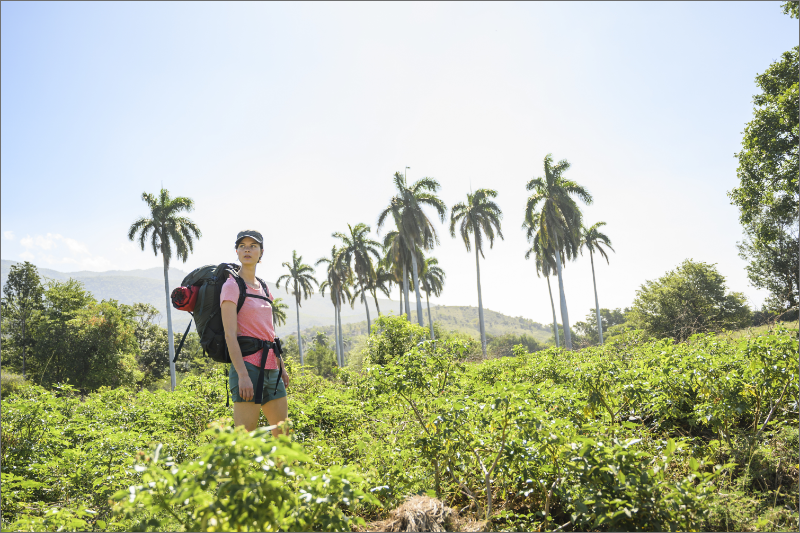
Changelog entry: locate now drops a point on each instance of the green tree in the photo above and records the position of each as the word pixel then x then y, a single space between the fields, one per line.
pixel 559 219
pixel 63 300
pixel 767 196
pixel 153 344
pixel 772 249
pixel 356 252
pixel 320 357
pixel 300 277
pixel 478 216
pixel 768 161
pixel 432 281
pixel 690 299
pixel 412 223
pixel 503 346
pixel 165 227
pixel 22 299
pixel 594 239
pixel 87 343
pixel 608 318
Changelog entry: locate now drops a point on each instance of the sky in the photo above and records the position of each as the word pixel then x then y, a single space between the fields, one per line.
pixel 291 118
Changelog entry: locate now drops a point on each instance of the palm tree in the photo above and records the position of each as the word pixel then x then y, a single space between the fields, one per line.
pixel 592 238
pixel 559 218
pixel 279 312
pixel 164 227
pixel 479 215
pixel 545 262
pixel 381 281
pixel 337 275
pixel 412 222
pixel 300 277
pixel 357 252
pixel 432 281
pixel 397 258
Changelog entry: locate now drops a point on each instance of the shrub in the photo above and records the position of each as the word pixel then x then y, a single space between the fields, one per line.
pixel 503 346
pixel 690 299
pixel 392 337
pixel 10 383
pixel 621 488
pixel 240 481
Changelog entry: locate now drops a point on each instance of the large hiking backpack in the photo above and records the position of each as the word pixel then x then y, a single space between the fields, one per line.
pixel 208 281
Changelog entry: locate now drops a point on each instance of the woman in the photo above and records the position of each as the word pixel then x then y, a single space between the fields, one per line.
pixel 253 320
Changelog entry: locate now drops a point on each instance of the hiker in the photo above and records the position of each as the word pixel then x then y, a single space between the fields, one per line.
pixel 253 320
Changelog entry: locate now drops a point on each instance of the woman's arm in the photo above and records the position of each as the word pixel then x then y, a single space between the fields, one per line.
pixel 228 310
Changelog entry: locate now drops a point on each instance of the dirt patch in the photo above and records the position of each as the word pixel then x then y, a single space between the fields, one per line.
pixel 418 513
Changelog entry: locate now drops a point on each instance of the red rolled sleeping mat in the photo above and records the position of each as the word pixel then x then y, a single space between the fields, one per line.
pixel 184 298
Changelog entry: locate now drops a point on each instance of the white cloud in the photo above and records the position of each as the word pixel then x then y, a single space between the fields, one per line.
pixel 77 253
pixel 8 235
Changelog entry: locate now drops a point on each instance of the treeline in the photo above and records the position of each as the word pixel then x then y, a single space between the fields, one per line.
pixel 56 332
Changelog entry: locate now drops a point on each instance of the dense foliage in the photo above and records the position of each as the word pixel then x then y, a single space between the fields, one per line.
pixel 690 299
pixel 767 194
pixel 652 435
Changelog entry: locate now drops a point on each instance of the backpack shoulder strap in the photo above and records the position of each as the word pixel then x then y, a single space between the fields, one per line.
pixel 266 290
pixel 242 293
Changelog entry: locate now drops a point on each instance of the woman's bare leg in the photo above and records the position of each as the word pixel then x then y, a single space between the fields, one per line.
pixel 245 414
pixel 276 411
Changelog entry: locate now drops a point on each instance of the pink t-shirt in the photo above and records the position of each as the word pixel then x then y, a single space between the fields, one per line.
pixel 254 319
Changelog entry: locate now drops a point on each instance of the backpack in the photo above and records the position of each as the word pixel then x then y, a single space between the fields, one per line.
pixel 204 285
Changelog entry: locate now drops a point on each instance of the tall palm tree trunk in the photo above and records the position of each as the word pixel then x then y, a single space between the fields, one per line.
pixel 23 344
pixel 430 320
pixel 377 305
pixel 400 288
pixel 553 308
pixel 405 292
pixel 169 322
pixel 364 299
pixel 596 305
pixel 416 288
pixel 480 303
pixel 563 301
pixel 336 334
pixel 339 326
pixel 299 339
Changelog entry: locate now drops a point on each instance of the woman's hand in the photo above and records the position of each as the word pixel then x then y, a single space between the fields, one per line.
pixel 246 388
pixel 285 376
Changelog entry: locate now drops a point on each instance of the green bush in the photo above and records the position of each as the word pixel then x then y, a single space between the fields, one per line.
pixel 240 481
pixel 503 346
pixel 620 488
pixel 10 383
pixel 690 299
pixel 391 337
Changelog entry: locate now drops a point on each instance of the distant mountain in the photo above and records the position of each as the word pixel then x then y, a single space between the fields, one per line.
pixel 316 313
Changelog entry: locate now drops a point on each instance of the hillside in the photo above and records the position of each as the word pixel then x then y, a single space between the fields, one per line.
pixel 316 313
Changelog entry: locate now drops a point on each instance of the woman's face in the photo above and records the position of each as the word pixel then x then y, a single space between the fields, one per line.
pixel 249 251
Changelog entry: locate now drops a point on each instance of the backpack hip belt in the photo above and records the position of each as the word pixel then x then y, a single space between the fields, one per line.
pixel 251 345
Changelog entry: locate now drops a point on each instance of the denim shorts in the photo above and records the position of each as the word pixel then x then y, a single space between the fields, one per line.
pixel 270 379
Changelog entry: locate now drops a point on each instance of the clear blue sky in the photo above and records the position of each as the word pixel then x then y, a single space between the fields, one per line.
pixel 292 117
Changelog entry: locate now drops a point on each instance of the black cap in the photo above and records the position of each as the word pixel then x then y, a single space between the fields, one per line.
pixel 253 234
